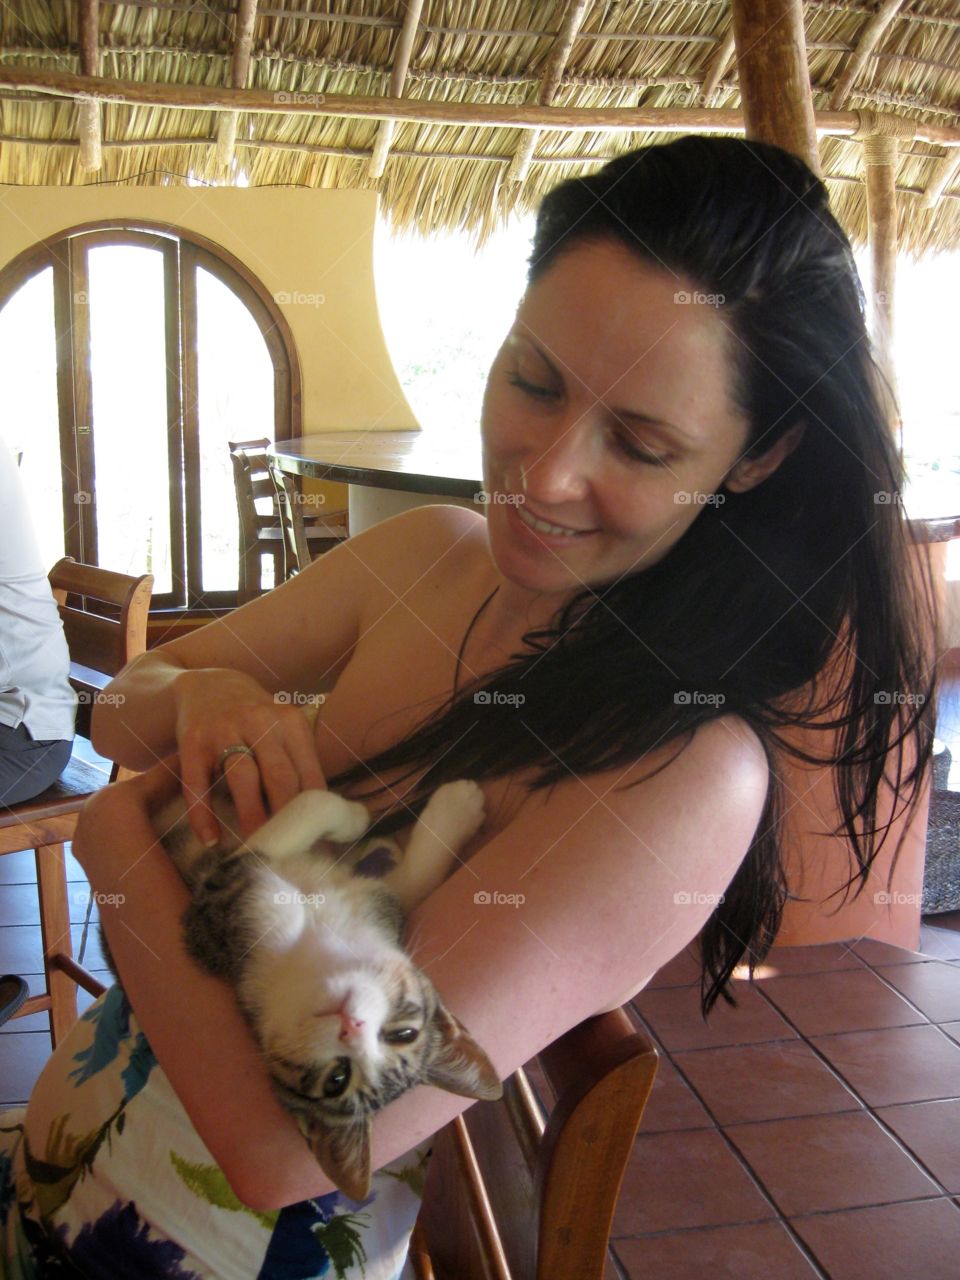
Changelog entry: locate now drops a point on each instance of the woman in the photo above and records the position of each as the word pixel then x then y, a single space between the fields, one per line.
pixel 683 442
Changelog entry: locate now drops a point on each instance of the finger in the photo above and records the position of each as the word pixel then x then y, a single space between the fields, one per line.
pixel 196 778
pixel 303 753
pixel 242 776
pixel 279 777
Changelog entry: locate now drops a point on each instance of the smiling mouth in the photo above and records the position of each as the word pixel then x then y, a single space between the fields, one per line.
pixel 543 526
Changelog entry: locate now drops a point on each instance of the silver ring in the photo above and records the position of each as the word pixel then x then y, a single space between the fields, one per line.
pixel 238 749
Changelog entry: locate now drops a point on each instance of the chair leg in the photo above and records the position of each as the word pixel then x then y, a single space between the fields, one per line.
pixel 55 933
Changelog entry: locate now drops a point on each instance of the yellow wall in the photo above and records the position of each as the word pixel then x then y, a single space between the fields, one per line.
pixel 313 250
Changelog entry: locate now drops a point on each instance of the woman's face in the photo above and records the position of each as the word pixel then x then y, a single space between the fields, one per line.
pixel 611 397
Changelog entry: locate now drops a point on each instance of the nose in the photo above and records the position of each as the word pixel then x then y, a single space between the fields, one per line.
pixel 559 469
pixel 350 1027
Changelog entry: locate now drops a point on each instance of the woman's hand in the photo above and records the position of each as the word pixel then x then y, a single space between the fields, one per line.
pixel 218 709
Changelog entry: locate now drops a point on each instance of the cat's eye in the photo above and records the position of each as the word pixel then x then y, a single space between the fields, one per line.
pixel 403 1035
pixel 338 1079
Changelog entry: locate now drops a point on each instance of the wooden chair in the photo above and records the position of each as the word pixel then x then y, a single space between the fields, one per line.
pixel 260 532
pixel 508 1197
pixel 303 540
pixel 99 646
pixel 262 527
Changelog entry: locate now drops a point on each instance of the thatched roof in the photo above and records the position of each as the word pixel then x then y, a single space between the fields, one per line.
pixel 297 63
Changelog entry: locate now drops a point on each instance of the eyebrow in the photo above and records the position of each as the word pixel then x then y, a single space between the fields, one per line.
pixel 628 416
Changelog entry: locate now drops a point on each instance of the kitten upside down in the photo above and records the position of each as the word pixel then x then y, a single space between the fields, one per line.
pixel 313 947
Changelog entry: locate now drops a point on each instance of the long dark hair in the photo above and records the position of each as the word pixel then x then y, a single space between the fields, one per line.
pixel 800 603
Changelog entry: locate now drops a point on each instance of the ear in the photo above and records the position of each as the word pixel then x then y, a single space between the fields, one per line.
pixel 749 472
pixel 342 1151
pixel 460 1065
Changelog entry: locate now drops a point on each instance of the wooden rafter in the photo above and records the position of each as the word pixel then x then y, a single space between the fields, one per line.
pixel 62 84
pixel 947 169
pixel 398 76
pixel 869 39
pixel 239 69
pixel 717 67
pixel 90 130
pixel 553 70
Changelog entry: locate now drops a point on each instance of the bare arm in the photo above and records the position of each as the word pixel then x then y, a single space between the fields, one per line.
pixel 597 870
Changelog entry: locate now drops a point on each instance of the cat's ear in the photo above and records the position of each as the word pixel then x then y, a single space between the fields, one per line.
pixel 341 1151
pixel 459 1064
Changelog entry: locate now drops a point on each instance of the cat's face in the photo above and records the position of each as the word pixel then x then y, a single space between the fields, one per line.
pixel 372 1032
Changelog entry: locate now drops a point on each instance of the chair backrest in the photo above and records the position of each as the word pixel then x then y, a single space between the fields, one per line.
pixel 296 550
pixel 251 478
pixel 100 643
pixel 509 1197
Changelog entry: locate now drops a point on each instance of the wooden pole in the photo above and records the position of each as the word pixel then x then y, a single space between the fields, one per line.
pixel 880 176
pixel 239 70
pixel 398 75
pixel 552 74
pixel 869 39
pixel 484 115
pixel 90 131
pixel 774 76
pixel 944 173
pixel 718 65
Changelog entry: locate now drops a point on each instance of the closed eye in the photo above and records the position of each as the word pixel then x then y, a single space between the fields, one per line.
pixel 627 447
pixel 532 388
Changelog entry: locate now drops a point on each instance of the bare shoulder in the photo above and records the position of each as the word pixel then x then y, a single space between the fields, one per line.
pixel 425 542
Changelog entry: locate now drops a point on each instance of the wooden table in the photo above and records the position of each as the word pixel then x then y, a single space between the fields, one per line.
pixel 388 471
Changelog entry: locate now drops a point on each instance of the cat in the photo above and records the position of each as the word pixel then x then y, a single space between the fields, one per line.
pixel 313 947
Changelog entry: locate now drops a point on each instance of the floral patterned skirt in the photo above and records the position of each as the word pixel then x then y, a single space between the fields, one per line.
pixel 103 1176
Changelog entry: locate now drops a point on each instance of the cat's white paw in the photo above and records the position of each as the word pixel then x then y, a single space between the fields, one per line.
pixel 311 816
pixel 455 812
pixel 350 821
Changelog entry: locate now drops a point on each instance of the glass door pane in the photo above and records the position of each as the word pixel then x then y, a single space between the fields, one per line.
pixel 28 404
pixel 129 389
pixel 235 401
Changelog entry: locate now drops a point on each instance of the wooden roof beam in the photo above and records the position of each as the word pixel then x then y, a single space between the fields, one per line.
pixel 869 39
pixel 946 170
pixel 239 70
pixel 717 68
pixel 61 84
pixel 398 75
pixel 553 70
pixel 774 76
pixel 90 131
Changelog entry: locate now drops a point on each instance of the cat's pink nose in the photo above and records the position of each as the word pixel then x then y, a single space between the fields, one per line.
pixel 349 1026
